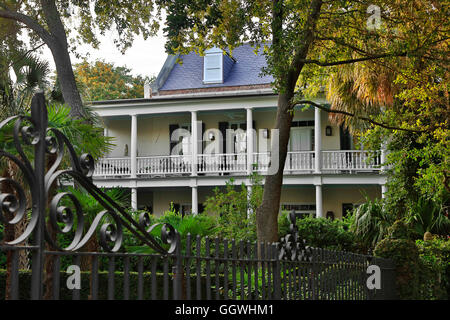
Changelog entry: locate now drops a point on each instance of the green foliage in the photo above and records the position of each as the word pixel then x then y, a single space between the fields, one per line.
pixel 85 136
pixel 405 255
pixel 30 75
pixel 85 20
pixel 91 207
pixel 230 206
pixel 417 187
pixel 283 223
pixel 370 222
pixel 195 225
pixel 399 230
pixel 322 233
pixel 427 215
pixel 422 267
pixel 104 81
pixel 66 294
pixel 435 257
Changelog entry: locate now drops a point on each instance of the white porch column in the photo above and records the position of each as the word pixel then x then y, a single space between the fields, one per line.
pixel 194 142
pixel 106 134
pixel 249 141
pixel 383 191
pixel 194 200
pixel 319 210
pixel 133 145
pixel 134 198
pixel 317 141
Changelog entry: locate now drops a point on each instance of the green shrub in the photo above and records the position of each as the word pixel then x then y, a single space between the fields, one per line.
pixel 405 255
pixel 428 215
pixel 66 294
pixel 195 225
pixel 435 258
pixel 399 230
pixel 370 223
pixel 321 232
pixel 230 207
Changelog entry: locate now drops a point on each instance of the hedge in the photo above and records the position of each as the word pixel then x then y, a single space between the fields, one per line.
pixel 66 294
pixel 422 267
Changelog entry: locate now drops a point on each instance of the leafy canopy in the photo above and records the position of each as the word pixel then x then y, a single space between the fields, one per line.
pixel 84 20
pixel 101 80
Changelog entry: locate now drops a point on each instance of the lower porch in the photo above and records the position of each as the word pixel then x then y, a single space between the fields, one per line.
pixel 331 200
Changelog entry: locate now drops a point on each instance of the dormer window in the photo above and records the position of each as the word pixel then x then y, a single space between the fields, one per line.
pixel 213 66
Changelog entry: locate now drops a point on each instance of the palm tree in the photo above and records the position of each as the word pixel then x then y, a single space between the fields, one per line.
pixel 370 222
pixel 363 90
pixel 15 94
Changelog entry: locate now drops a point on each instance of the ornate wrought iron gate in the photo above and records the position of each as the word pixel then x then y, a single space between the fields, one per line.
pixel 167 267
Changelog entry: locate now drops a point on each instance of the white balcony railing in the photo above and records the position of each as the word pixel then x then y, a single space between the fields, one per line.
pixel 299 161
pixel 296 162
pixel 222 163
pixel 160 165
pixel 351 160
pixel 113 167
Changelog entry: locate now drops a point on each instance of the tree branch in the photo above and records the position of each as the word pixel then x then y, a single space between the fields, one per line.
pixel 29 22
pixel 337 63
pixel 306 39
pixel 383 125
pixel 25 54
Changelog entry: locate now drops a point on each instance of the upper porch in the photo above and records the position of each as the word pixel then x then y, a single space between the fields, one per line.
pixel 148 146
pixel 299 162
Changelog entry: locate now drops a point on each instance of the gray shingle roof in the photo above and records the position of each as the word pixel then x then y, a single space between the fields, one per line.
pixel 245 71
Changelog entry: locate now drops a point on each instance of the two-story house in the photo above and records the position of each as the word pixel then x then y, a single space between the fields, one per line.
pixel 191 133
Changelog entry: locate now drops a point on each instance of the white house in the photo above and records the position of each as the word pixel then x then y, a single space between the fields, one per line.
pixel 219 98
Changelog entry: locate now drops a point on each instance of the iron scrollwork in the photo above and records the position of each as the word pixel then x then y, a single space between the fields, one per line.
pixel 32 134
pixel 292 247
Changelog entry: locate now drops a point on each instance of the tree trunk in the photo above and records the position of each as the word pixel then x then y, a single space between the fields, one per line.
pixel 60 51
pixel 267 213
pixel 54 36
pixel 67 82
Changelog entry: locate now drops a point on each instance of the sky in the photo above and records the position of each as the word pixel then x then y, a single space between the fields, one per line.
pixel 145 57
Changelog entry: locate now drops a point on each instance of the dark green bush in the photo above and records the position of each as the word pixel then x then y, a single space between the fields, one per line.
pixel 321 233
pixel 435 258
pixel 422 267
pixel 66 294
pixel 399 230
pixel 405 255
